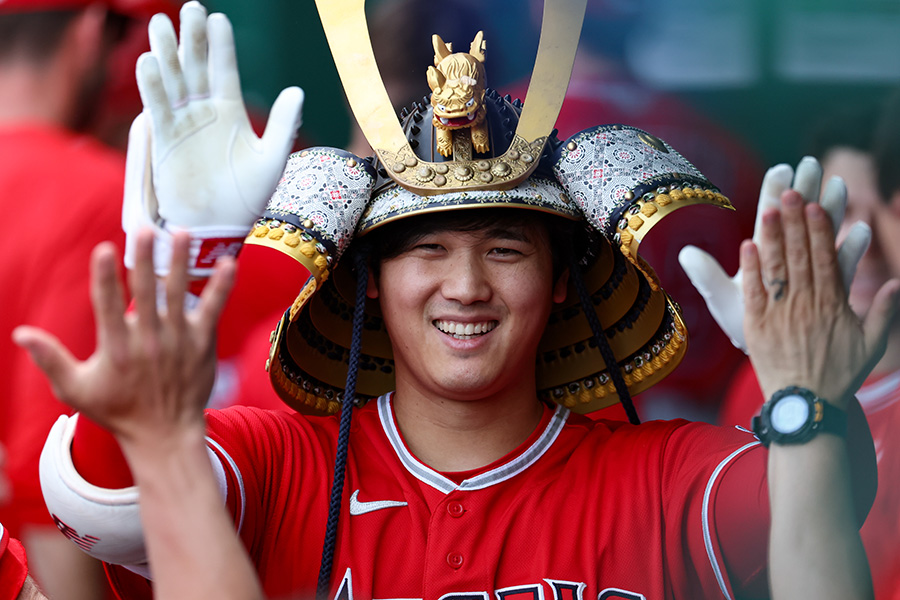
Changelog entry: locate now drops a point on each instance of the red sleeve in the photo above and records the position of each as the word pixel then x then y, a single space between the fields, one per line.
pixel 254 387
pixel 743 398
pixel 741 517
pixel 131 586
pixel 267 282
pixel 712 474
pixel 13 566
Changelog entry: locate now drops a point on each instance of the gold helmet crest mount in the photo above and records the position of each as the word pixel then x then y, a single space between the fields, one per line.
pixel 457 97
pixel 344 22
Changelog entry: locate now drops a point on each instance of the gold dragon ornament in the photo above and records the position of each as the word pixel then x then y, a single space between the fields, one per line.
pixel 457 85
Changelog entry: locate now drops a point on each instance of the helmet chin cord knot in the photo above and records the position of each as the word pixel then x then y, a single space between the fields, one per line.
pixel 612 366
pixel 360 264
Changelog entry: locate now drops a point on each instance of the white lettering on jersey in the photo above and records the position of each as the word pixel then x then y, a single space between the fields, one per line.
pixel 562 590
pixel 345 591
pixel 566 590
pixel 521 592
pixel 610 593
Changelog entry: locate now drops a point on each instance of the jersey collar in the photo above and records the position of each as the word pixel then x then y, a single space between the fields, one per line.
pixel 496 475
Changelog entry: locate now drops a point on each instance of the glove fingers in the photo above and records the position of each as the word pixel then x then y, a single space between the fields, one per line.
pixel 776 180
pixel 224 80
pixel 135 159
pixel 808 179
pixel 153 94
pixel 703 270
pixel 164 46
pixel 193 49
pixel 723 295
pixel 851 250
pixel 284 119
pixel 834 201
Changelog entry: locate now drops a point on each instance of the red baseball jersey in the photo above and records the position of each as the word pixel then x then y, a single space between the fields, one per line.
pixel 880 400
pixel 579 510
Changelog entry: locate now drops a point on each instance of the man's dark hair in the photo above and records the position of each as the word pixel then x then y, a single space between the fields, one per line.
pixel 886 147
pixel 401 31
pixel 392 239
pixel 36 36
pixel 844 127
pixel 33 35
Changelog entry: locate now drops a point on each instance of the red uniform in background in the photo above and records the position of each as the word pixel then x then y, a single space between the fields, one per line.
pixel 267 282
pixel 61 194
pixel 880 399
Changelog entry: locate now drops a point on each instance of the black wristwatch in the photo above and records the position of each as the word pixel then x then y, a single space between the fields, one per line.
pixel 795 415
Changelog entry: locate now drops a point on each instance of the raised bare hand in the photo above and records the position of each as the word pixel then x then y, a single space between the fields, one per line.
pixel 153 368
pixel 799 328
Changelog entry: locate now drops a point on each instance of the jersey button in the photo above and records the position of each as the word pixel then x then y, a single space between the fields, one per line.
pixel 455 560
pixel 455 509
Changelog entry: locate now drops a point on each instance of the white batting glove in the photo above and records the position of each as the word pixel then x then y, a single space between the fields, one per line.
pixel 724 295
pixel 194 161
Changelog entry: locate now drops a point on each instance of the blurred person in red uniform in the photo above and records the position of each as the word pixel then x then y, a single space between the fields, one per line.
pixel 64 190
pixel 603 91
pixel 861 147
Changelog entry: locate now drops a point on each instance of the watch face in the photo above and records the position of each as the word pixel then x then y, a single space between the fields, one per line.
pixel 789 414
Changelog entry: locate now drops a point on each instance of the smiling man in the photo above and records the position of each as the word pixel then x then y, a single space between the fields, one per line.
pixel 458 316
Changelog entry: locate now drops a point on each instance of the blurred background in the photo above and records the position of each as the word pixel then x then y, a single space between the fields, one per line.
pixel 762 68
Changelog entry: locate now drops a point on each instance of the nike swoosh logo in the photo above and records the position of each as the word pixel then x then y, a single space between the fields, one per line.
pixel 361 508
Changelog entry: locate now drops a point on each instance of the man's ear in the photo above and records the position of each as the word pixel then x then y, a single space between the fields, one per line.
pixel 894 203
pixel 371 286
pixel 87 34
pixel 561 287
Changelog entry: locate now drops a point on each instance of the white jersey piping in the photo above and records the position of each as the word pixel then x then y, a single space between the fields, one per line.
pixel 879 394
pixel 707 537
pixel 431 477
pixel 237 475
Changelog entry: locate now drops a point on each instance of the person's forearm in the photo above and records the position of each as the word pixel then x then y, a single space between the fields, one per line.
pixel 814 549
pixel 191 544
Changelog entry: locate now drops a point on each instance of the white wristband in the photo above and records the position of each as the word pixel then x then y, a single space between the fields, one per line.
pixel 105 523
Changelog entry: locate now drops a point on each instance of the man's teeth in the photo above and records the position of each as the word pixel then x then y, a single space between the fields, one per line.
pixel 464 331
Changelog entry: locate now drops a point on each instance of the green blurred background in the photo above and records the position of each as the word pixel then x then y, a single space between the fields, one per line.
pixel 766 69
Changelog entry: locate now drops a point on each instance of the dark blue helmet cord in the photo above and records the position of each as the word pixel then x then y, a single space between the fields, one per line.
pixel 360 256
pixel 612 366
